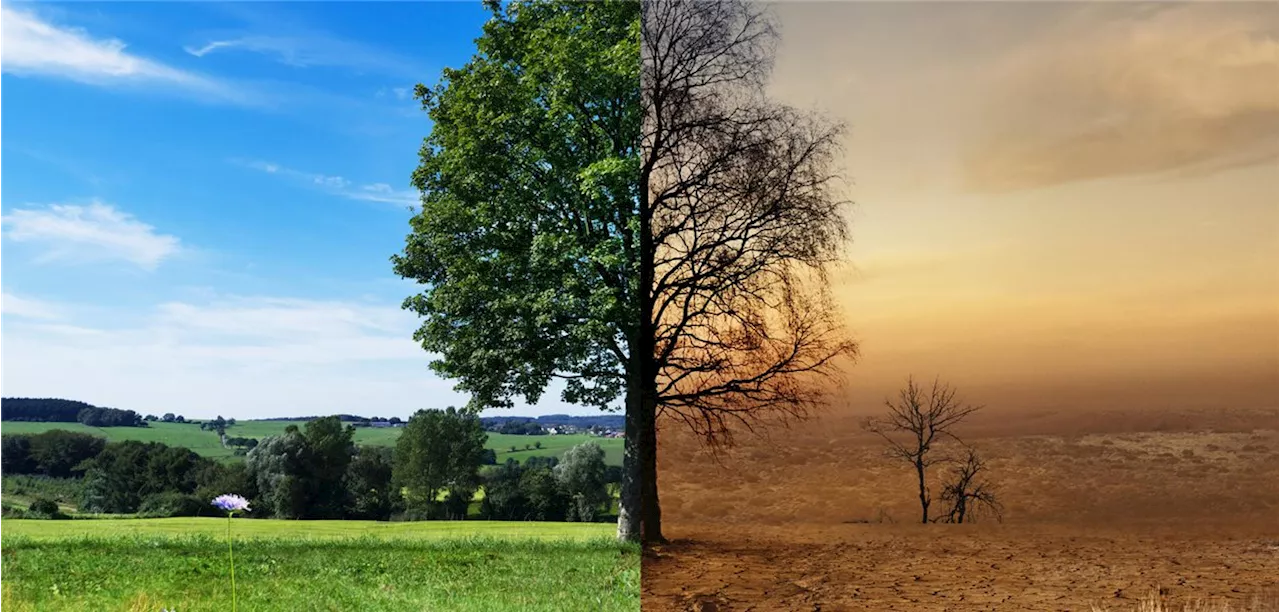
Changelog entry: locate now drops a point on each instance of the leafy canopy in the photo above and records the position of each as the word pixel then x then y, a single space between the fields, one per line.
pixel 526 241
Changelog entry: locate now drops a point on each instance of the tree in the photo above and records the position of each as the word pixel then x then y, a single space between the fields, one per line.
pixel 328 453
pixel 917 421
pixel 581 473
pixel 168 417
pixel 968 493
pixel 15 455
pixel 370 493
pixel 548 501
pixel 277 469
pixel 739 225
pixel 527 240
pixel 62 454
pixel 440 452
pixel 504 500
pixel 151 418
pixel 125 473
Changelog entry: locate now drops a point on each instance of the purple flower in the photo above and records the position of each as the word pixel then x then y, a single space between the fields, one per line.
pixel 231 503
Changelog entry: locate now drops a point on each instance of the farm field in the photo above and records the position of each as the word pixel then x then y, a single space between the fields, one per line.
pixel 1101 510
pixel 206 442
pixel 181 564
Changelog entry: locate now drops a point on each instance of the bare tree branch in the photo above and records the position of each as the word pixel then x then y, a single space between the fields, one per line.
pixel 917 421
pixel 744 220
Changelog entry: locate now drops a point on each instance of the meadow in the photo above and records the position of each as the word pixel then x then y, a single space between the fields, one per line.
pixel 206 443
pixel 181 564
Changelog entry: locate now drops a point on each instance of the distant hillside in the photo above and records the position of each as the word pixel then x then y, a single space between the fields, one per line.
pixel 345 418
pixel 53 410
pixel 612 421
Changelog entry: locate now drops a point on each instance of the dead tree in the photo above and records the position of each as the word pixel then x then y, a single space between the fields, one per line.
pixel 968 493
pixel 917 421
pixel 740 220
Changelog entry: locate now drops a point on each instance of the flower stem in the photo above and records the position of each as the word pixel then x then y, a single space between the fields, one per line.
pixel 231 555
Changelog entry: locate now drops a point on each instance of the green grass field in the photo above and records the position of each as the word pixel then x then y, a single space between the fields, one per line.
pixel 206 442
pixel 181 564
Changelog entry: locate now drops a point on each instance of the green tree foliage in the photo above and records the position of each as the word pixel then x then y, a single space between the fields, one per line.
pixel 581 473
pixel 370 493
pixel 171 504
pixel 216 479
pixel 110 417
pixel 504 500
pixel 527 238
pixel 302 473
pixel 41 409
pixel 548 501
pixel 44 508
pixel 277 468
pixel 117 480
pixel 60 453
pixel 328 453
pixel 15 455
pixel 440 452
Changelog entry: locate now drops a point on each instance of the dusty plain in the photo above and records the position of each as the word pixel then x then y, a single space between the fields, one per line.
pixel 1104 510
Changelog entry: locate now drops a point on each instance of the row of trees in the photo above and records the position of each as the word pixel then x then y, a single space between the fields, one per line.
pixel 55 453
pixel 522 428
pixel 317 472
pixel 433 473
pixel 110 417
pixel 67 411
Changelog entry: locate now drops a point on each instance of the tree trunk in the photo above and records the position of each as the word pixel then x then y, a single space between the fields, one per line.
pixel 651 521
pixel 924 494
pixel 629 502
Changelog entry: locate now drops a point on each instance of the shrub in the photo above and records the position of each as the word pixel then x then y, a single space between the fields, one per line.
pixel 167 505
pixel 44 508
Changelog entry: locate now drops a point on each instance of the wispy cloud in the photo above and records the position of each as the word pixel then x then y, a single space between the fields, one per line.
pixel 1113 91
pixel 309 50
pixel 97 232
pixel 30 308
pixel 381 193
pixel 35 47
pixel 399 93
pixel 235 355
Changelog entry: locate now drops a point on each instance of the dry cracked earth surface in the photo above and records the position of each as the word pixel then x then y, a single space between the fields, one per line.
pixel 1102 512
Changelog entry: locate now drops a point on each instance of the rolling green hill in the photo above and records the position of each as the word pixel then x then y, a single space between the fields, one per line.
pixel 206 443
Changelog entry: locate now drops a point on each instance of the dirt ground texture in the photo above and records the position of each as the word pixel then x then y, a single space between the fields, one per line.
pixel 1102 510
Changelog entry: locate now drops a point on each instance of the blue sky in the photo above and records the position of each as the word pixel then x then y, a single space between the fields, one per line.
pixel 200 201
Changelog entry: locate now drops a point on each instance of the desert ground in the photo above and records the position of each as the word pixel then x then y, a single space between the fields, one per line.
pixel 1104 510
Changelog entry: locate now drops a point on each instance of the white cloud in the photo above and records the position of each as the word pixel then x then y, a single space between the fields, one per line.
pixel 308 50
pixel 368 192
pixel 238 356
pixel 97 232
pixel 32 46
pixel 29 308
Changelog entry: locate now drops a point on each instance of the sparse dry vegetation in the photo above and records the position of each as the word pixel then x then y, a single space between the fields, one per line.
pixel 1095 507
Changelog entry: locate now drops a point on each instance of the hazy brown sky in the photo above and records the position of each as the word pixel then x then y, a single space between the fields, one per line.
pixel 1057 203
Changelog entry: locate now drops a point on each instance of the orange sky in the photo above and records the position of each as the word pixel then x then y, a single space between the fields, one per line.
pixel 1057 203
